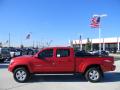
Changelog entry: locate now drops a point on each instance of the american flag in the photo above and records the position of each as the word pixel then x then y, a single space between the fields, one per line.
pixel 28 36
pixel 95 22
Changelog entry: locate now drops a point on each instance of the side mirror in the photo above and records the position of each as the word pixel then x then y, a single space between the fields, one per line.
pixel 36 55
pixel 40 56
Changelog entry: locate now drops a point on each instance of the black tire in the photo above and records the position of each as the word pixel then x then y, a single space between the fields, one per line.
pixel 24 78
pixel 96 76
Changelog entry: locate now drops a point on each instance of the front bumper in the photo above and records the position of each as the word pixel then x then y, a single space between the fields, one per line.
pixel 11 67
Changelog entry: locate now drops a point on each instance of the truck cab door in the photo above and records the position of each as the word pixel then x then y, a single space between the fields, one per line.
pixel 44 63
pixel 64 61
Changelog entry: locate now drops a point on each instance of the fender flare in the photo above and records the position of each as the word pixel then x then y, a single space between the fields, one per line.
pixel 23 65
pixel 83 66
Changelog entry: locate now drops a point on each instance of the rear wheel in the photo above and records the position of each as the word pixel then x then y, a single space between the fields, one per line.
pixel 21 75
pixel 93 75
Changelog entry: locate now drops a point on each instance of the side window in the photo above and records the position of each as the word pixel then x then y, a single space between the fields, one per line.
pixel 63 53
pixel 46 53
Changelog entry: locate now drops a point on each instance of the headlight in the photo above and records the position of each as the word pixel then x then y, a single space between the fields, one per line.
pixel 12 60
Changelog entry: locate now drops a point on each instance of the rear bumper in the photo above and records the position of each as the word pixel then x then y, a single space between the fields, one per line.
pixel 108 68
pixel 113 67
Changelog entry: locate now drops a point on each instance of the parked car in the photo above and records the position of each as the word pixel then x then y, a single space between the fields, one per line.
pixel 61 60
pixel 29 51
pixel 101 53
pixel 91 52
pixel 4 54
pixel 15 52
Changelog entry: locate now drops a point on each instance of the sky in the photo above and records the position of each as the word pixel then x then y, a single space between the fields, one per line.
pixel 56 20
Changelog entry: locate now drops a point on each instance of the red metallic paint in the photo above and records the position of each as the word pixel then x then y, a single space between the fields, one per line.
pixel 69 64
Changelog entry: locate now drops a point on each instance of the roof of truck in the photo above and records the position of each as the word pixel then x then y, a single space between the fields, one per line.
pixel 57 47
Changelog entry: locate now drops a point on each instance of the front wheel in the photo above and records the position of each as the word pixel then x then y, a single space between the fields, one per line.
pixel 93 75
pixel 21 75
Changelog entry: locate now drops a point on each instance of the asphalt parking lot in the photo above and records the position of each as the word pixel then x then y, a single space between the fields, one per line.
pixel 59 82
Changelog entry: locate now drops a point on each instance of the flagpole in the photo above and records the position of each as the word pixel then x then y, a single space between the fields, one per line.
pixel 99 27
pixel 99 40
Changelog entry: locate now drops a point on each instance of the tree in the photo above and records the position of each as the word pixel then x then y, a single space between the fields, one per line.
pixel 21 46
pixel 88 45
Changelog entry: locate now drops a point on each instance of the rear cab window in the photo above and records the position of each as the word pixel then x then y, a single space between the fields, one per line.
pixel 62 53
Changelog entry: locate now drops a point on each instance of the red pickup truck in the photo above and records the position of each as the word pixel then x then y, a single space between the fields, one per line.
pixel 61 60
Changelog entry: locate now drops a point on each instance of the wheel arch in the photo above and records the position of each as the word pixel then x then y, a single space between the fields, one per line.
pixel 24 66
pixel 91 66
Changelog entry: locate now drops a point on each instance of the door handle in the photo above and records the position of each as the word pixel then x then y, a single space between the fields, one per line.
pixel 65 61
pixel 53 63
pixel 62 61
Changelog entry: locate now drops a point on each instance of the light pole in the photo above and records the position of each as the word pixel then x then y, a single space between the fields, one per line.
pixel 81 42
pixel 9 39
pixel 99 28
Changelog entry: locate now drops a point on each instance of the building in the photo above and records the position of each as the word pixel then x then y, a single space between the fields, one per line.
pixel 109 44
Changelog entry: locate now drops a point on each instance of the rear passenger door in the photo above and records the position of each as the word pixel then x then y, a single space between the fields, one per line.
pixel 64 61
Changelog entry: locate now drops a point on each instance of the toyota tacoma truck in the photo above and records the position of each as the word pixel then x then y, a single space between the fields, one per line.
pixel 61 60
